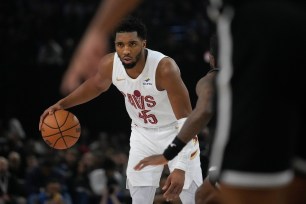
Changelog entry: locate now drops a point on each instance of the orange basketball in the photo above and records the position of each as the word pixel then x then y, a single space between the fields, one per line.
pixel 61 130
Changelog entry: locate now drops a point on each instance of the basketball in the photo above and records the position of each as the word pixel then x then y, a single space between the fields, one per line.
pixel 61 130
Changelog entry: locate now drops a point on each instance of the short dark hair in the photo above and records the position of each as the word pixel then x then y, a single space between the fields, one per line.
pixel 133 24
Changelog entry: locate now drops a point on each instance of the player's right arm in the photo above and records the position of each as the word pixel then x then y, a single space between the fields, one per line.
pixel 203 110
pixel 87 91
pixel 93 86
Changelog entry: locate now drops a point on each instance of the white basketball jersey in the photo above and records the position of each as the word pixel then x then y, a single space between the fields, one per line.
pixel 146 106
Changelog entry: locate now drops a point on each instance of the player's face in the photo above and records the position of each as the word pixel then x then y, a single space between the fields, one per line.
pixel 129 48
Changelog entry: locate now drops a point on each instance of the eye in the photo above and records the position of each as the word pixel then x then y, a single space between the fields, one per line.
pixel 119 44
pixel 133 44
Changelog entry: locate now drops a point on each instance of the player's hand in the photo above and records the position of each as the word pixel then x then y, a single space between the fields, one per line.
pixel 48 111
pixel 174 184
pixel 153 160
pixel 85 60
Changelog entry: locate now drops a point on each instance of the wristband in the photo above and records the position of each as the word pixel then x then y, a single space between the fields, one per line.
pixel 174 148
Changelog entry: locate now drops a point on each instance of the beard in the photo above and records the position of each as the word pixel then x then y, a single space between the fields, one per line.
pixel 132 64
pixel 129 66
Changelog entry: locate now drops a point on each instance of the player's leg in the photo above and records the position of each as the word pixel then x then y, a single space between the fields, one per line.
pixel 142 184
pixel 142 194
pixel 187 196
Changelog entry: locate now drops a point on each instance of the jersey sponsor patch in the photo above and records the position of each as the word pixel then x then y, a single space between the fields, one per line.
pixel 147 81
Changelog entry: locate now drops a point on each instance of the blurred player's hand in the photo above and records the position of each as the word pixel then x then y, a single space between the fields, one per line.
pixel 174 184
pixel 84 62
pixel 154 160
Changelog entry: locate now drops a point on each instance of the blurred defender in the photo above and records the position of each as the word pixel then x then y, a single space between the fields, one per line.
pixel 260 136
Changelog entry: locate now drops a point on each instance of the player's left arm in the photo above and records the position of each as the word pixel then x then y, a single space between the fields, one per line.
pixel 168 77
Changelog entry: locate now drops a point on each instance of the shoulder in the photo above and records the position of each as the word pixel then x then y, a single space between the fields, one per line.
pixel 167 66
pixel 167 74
pixel 155 53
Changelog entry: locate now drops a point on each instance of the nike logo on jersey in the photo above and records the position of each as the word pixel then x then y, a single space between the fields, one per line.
pixel 172 145
pixel 120 79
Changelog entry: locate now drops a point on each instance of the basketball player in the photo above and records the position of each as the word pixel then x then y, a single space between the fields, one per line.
pixel 157 101
pixel 201 116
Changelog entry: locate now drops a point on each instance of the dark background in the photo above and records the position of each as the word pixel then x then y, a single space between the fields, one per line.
pixel 38 38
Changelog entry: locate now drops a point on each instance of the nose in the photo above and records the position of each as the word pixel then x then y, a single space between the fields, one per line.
pixel 126 50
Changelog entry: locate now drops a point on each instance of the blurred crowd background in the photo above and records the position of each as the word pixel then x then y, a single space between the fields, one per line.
pixel 37 39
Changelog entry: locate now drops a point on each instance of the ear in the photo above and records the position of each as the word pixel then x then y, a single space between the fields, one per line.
pixel 144 43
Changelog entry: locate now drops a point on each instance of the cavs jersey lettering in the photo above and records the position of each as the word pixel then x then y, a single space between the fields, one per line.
pixel 146 106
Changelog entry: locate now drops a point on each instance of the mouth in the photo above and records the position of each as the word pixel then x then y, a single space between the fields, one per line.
pixel 127 60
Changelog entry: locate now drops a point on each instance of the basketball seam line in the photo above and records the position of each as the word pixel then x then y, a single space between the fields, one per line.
pixel 61 131
pixel 59 127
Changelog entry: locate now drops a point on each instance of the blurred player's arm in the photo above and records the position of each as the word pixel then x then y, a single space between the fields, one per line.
pixel 110 12
pixel 94 43
pixel 90 89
